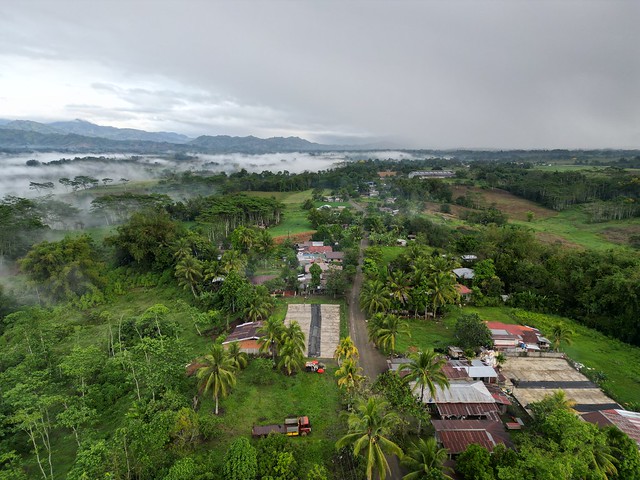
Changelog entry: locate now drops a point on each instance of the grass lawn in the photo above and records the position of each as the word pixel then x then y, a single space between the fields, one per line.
pixel 268 397
pixel 390 253
pixel 294 219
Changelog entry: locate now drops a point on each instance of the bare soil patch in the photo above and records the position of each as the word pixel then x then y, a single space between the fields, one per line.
pixel 621 234
pixel 515 207
pixel 553 239
pixel 295 237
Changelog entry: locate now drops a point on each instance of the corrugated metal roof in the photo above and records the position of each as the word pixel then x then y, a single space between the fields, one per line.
pixel 245 331
pixel 461 392
pixel 466 409
pixel 628 422
pixel 457 441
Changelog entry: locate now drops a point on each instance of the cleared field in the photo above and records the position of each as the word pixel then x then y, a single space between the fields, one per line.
pixel 515 207
pixel 294 219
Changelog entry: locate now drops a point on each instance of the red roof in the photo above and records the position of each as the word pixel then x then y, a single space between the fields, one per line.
pixel 512 329
pixel 457 441
pixel 451 372
pixel 457 435
pixel 246 331
pixel 628 422
pixel 463 290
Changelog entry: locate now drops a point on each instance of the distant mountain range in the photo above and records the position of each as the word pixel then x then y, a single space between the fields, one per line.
pixel 82 136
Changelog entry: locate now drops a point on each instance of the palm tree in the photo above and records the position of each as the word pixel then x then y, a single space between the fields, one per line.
pixel 602 460
pixel 400 287
pixel 240 358
pixel 369 427
pixel 189 273
pixel 259 305
pixel 561 334
pixel 391 326
pixel 345 350
pixel 291 356
pixel 501 359
pixel 217 373
pixel 349 377
pixel 233 260
pixel 374 297
pixel 423 458
pixel 293 334
pixel 271 333
pixel 443 290
pixel 182 248
pixel 425 369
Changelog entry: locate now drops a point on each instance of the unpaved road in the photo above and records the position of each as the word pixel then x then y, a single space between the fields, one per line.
pixel 372 361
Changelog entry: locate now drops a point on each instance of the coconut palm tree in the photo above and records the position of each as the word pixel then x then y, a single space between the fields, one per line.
pixel 270 336
pixel 233 260
pixel 391 326
pixel 291 356
pixel 423 458
pixel 425 369
pixel 182 248
pixel 374 297
pixel 189 273
pixel 602 460
pixel 217 373
pixel 443 290
pixel 369 427
pixel 240 358
pixel 349 377
pixel 345 350
pixel 400 287
pixel 560 334
pixel 293 334
pixel 259 305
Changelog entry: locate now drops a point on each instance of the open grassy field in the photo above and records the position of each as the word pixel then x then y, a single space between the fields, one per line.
pixel 267 397
pixel 294 218
pixel 571 227
pixel 617 361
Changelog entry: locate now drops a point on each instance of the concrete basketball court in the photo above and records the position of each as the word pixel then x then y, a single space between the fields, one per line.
pixel 558 373
pixel 329 326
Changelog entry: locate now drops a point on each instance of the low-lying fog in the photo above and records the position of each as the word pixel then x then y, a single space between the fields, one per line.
pixel 16 175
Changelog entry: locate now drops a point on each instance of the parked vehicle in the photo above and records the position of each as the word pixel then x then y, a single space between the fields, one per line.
pixel 292 427
pixel 314 366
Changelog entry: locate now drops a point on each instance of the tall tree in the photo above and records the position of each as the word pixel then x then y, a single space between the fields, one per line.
pixel 375 297
pixel 218 373
pixel 425 369
pixel 425 460
pixel 386 334
pixel 561 334
pixel 189 273
pixel 369 428
pixel 271 336
pixel 345 350
pixel 349 377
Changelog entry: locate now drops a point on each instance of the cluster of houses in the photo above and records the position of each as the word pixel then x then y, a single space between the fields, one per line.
pixel 317 253
pixel 469 410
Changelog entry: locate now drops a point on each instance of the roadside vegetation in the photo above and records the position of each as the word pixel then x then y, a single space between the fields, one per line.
pixel 111 362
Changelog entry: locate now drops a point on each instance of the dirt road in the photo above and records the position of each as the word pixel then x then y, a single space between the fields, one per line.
pixel 372 361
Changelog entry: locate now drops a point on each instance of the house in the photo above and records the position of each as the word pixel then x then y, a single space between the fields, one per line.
pixel 469 258
pixel 457 435
pixel 462 400
pixel 455 352
pixel 335 257
pixel 247 335
pixel 432 174
pixel 464 292
pixel 475 370
pixel 506 336
pixel 464 273
pixel 628 422
pixel 401 242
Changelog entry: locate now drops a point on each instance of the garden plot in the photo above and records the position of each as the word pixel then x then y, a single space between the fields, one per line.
pixel 531 379
pixel 321 327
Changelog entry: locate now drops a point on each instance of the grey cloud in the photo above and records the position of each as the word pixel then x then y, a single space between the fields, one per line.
pixel 439 74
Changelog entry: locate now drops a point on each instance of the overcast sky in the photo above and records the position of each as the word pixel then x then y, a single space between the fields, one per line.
pixel 432 74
